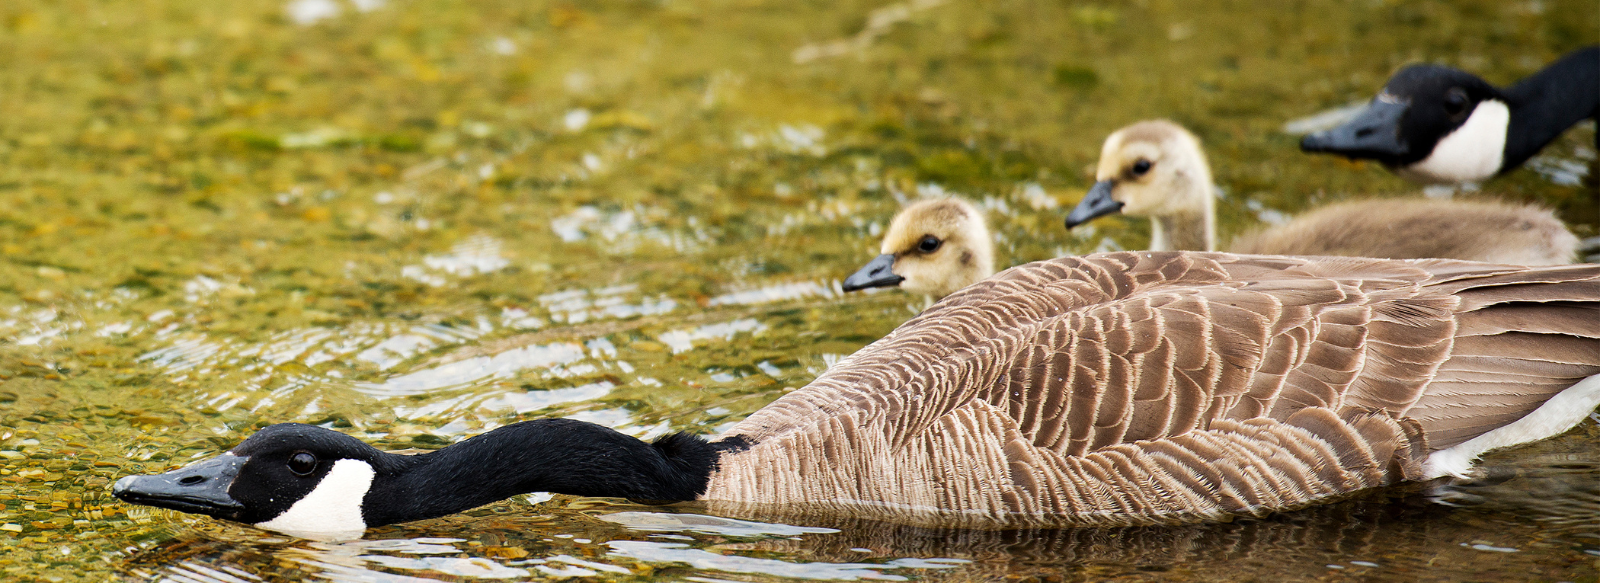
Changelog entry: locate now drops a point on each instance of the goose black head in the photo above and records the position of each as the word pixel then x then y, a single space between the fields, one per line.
pixel 288 477
pixel 1438 123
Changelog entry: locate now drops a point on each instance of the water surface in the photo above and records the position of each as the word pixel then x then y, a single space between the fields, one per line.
pixel 414 221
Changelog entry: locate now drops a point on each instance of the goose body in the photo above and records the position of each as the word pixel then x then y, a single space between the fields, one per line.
pixel 1119 388
pixel 1156 169
pixel 1436 124
pixel 932 247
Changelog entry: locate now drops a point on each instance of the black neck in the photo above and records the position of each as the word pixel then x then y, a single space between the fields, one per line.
pixel 1549 102
pixel 546 455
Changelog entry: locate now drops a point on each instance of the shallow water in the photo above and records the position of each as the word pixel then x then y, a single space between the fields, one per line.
pixel 414 221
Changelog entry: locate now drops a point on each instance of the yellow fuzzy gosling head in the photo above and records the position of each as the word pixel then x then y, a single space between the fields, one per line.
pixel 933 247
pixel 1152 169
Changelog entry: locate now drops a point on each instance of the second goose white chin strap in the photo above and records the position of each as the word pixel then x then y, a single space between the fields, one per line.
pixel 1472 153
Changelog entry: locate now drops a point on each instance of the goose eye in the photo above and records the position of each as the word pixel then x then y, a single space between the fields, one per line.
pixel 1140 167
pixel 928 244
pixel 1455 101
pixel 302 463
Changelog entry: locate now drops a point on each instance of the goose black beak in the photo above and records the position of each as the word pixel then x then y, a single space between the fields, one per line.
pixel 877 273
pixel 1097 203
pixel 200 488
pixel 1373 134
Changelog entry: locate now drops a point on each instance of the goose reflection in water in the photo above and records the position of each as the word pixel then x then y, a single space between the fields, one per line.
pixel 1383 534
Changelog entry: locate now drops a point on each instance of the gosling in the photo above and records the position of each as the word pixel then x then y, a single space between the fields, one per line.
pixel 933 248
pixel 1157 169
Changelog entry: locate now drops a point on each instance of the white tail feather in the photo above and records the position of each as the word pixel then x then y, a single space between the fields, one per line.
pixel 1554 417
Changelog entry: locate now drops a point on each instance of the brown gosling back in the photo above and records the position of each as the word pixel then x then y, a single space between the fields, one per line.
pixel 1491 231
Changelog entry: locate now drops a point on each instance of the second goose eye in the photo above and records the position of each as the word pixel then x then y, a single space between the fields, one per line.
pixel 1455 101
pixel 1140 167
pixel 302 463
pixel 928 244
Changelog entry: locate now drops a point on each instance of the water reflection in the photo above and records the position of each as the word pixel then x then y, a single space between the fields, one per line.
pixel 684 340
pixel 553 358
pixel 517 402
pixel 1383 535
pixel 703 524
pixel 659 552
pixel 199 573
pixel 475 256
pixel 385 346
pixel 514 554
pixel 628 230
pixel 414 221
pixel 581 305
pixel 1557 490
pixel 1564 171
pixel 777 293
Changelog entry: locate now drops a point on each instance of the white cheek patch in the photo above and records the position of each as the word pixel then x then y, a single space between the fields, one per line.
pixel 1555 416
pixel 1471 153
pixel 333 509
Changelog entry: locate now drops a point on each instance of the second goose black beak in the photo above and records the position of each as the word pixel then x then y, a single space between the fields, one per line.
pixel 1374 134
pixel 1097 203
pixel 877 273
pixel 200 488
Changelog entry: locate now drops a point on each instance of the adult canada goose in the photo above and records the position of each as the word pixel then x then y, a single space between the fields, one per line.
pixel 933 247
pixel 1439 125
pixel 1157 169
pixel 1119 388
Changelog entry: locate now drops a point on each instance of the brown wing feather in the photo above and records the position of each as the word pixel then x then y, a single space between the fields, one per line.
pixel 1144 386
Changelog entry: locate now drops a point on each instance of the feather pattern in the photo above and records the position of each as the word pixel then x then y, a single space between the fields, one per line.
pixel 1153 387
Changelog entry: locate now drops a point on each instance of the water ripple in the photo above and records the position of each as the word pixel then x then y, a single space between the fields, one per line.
pixel 683 340
pixel 503 365
pixel 658 552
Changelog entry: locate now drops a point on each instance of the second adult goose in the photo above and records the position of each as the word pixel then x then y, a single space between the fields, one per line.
pixel 1436 124
pixel 1120 388
pixel 1157 169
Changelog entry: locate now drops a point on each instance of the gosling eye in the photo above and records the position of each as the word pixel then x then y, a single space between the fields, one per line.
pixel 1140 167
pixel 1456 102
pixel 302 463
pixel 929 244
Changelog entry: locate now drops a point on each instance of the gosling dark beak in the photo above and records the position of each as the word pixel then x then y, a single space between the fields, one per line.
pixel 1096 204
pixel 878 273
pixel 1374 134
pixel 201 488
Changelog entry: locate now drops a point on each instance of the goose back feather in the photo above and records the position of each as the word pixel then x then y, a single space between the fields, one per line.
pixel 1149 387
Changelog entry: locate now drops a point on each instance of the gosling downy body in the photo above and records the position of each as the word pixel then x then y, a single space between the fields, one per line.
pixel 933 248
pixel 1436 124
pixel 1120 388
pixel 1156 169
pixel 1492 231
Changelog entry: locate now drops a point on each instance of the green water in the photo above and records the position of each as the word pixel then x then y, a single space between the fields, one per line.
pixel 415 220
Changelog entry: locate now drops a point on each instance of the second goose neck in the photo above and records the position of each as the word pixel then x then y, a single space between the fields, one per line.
pixel 1547 103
